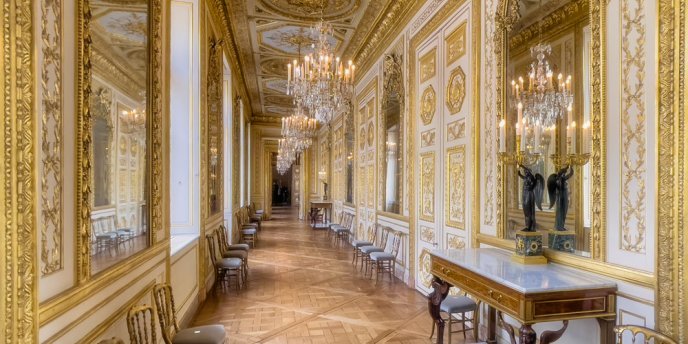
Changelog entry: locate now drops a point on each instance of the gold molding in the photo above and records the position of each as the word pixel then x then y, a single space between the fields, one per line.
pixel 51 140
pixel 670 290
pixel 18 251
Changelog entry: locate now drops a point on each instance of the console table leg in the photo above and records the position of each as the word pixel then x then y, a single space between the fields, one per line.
pixel 491 325
pixel 439 293
pixel 527 335
pixel 607 330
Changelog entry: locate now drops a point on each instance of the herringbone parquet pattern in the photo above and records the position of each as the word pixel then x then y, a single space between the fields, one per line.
pixel 302 290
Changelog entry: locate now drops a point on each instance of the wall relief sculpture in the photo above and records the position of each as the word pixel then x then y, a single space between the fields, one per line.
pixel 427 188
pixel 456 90
pixel 455 44
pixel 428 105
pixel 428 65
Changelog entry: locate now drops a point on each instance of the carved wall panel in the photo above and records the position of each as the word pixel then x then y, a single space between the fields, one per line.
pixel 455 241
pixel 456 90
pixel 455 44
pixel 489 119
pixel 455 187
pixel 456 130
pixel 428 105
pixel 427 138
pixel 427 234
pixel 427 186
pixel 428 65
pixel 425 266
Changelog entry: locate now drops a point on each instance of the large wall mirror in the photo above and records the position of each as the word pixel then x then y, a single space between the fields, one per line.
pixel 391 126
pixel 547 119
pixel 349 137
pixel 117 87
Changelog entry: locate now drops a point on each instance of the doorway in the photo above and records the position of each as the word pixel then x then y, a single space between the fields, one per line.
pixel 282 185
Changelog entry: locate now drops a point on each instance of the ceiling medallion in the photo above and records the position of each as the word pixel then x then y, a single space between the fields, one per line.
pixel 307 9
pixel 456 90
pixel 428 104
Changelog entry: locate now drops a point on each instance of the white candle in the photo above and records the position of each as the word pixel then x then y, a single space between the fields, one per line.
pixel 573 137
pixel 289 72
pixel 586 137
pixel 520 111
pixel 502 136
pixel 524 133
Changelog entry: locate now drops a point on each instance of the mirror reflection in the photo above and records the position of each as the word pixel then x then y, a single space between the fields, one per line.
pixel 119 79
pixel 392 108
pixel 349 147
pixel 547 118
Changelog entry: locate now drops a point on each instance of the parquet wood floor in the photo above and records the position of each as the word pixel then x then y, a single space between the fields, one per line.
pixel 303 290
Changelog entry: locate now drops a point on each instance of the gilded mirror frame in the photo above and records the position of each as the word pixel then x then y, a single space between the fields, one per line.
pixel 505 19
pixel 393 82
pixel 84 139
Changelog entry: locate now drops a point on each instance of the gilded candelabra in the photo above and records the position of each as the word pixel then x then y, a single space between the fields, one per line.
pixel 519 157
pixel 562 160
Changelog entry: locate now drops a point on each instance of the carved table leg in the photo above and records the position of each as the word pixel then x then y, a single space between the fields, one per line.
pixel 527 335
pixel 607 330
pixel 440 291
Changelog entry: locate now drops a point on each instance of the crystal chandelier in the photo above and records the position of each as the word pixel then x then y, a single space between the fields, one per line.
pixel 286 154
pixel 542 102
pixel 300 128
pixel 321 82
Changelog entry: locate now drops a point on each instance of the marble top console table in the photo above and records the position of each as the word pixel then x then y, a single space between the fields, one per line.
pixel 528 293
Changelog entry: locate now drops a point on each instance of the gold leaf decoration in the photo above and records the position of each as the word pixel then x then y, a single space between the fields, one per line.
pixel 455 44
pixel 428 105
pixel 456 90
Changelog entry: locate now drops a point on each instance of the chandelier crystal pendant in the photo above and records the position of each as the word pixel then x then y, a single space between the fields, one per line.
pixel 321 82
pixel 541 102
pixel 300 128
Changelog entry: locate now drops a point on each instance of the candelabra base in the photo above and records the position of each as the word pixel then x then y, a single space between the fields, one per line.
pixel 529 248
pixel 564 241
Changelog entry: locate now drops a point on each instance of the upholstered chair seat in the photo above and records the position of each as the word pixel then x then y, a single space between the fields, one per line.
pixel 249 230
pixel 361 243
pixel 229 263
pixel 210 334
pixel 371 249
pixel 241 254
pixel 457 304
pixel 234 247
pixel 380 256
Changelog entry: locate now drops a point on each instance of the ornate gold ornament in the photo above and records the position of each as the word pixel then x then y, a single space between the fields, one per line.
pixel 214 131
pixel 455 188
pixel 371 134
pixel 428 105
pixel 51 140
pixel 424 263
pixel 428 65
pixel 456 130
pixel 455 242
pixel 456 90
pixel 427 186
pixel 362 136
pixel 633 117
pixel 427 234
pixel 427 138
pixel 455 44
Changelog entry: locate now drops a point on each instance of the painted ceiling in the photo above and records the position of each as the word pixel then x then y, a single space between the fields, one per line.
pixel 271 33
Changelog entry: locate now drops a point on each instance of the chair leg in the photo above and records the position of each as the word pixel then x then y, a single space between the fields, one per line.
pixel 450 327
pixel 463 324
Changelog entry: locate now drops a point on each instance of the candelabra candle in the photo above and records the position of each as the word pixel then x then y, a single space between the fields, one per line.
pixel 502 136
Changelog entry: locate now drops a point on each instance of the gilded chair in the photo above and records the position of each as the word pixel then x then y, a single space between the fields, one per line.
pixel 377 247
pixel 226 251
pixel 342 231
pixel 368 241
pixel 141 325
pixel 459 305
pixel 252 218
pixel 647 335
pixel 249 233
pixel 330 229
pixel 226 241
pixel 386 261
pixel 167 317
pixel 257 211
pixel 225 268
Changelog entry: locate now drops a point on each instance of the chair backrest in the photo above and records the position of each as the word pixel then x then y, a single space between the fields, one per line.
pixel 372 233
pixel 648 334
pixel 239 218
pixel 167 317
pixel 223 235
pixel 352 222
pixel 141 325
pixel 396 243
pixel 212 251
pixel 383 237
